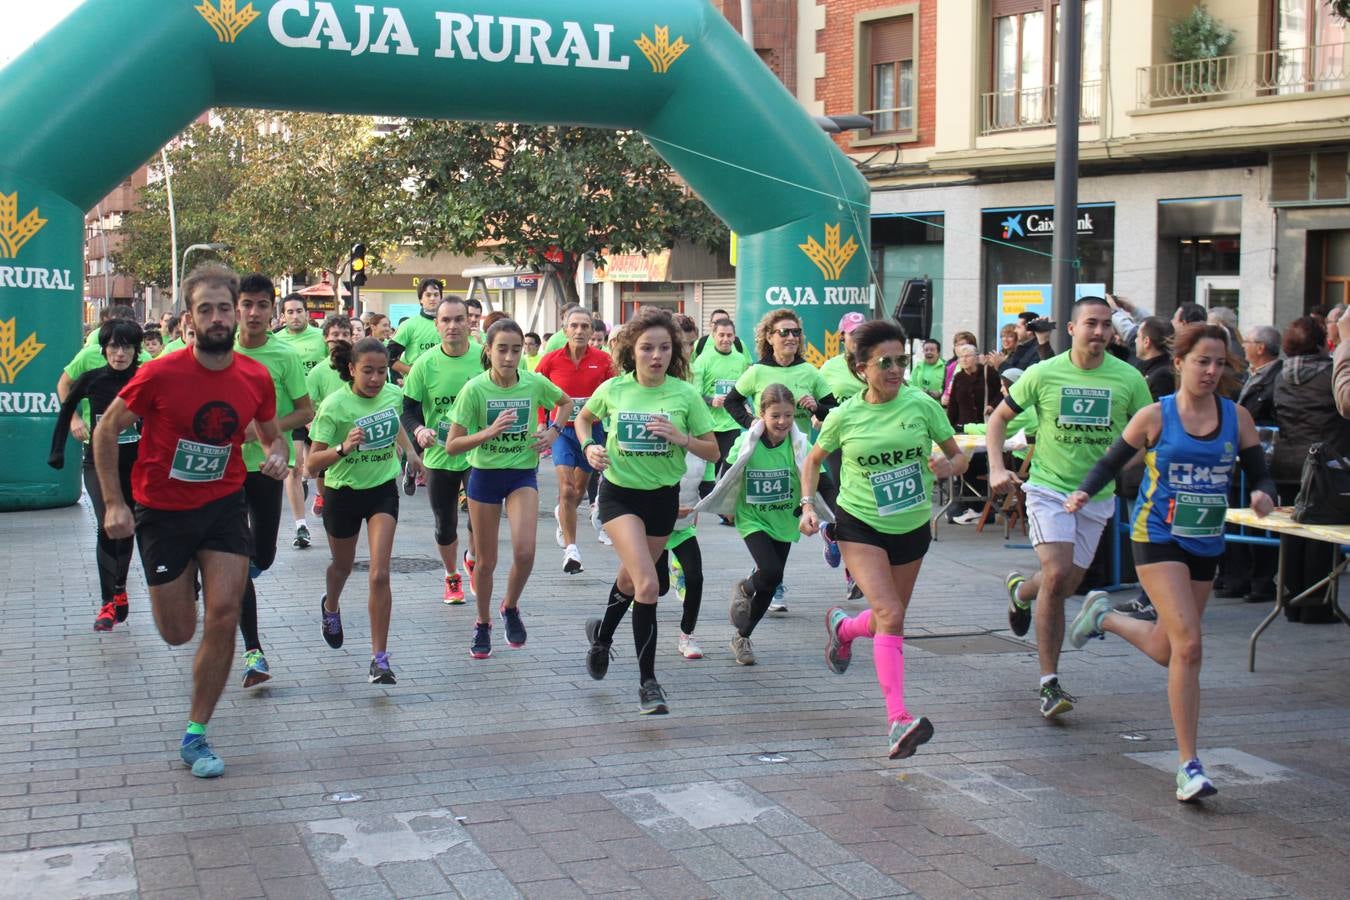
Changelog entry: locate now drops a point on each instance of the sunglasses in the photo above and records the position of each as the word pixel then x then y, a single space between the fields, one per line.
pixel 789 332
pixel 886 363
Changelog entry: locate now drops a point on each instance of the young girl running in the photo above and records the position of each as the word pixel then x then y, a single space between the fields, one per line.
pixel 492 422
pixel 653 418
pixel 762 489
pixel 120 342
pixel 887 434
pixel 1191 441
pixel 354 435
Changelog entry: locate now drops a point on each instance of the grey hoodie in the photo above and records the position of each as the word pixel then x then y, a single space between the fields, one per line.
pixel 1305 411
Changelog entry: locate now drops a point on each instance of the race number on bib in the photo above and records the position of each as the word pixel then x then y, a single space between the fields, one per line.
pixel 633 436
pixel 520 407
pixel 722 387
pixel 765 486
pixel 128 435
pixel 199 462
pixel 1199 515
pixel 380 429
pixel 443 432
pixel 899 490
pixel 1085 406
pixel 577 404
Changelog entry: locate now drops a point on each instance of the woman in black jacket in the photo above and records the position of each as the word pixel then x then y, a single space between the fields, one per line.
pixel 1305 411
pixel 121 344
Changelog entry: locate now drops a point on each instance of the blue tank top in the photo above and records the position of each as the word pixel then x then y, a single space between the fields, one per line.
pixel 1184 494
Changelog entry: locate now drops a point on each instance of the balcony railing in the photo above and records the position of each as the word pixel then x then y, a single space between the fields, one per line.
pixel 1034 108
pixel 1269 73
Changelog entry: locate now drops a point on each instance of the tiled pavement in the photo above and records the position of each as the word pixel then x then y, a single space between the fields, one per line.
pixel 520 776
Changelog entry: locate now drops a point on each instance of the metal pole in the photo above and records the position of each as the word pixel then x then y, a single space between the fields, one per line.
pixel 748 22
pixel 173 230
pixel 1067 105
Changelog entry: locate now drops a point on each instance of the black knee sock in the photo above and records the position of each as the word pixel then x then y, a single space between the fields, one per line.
pixel 614 612
pixel 644 638
pixel 690 556
pixel 705 488
pixel 248 618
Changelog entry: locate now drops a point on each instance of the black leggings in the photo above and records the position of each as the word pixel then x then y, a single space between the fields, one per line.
pixel 443 487
pixel 112 554
pixel 263 495
pixel 770 558
pixel 690 556
pixel 592 486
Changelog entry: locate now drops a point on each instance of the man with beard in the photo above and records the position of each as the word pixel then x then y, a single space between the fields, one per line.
pixel 194 408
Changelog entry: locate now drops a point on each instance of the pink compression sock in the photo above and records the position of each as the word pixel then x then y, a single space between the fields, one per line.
pixel 860 626
pixel 889 658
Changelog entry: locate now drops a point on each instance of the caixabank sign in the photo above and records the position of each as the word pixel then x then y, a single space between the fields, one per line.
pixel 135 72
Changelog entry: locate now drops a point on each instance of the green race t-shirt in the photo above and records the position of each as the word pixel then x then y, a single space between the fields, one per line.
pixel 1079 415
pixel 288 378
pixel 771 492
pixel 637 459
pixel 171 346
pixel 482 400
pixel 416 336
pixel 311 346
pixel 715 374
pixel 555 341
pixel 841 381
pixel 375 461
pixel 802 378
pixel 435 381
pixel 321 381
pixel 929 378
pixel 885 480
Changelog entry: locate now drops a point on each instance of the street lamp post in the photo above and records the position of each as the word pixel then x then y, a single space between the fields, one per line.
pixel 182 268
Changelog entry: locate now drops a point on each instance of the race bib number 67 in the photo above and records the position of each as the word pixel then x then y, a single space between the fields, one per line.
pixel 1085 406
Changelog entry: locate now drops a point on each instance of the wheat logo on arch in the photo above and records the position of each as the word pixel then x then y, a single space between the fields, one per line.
pixel 227 21
pixel 15 232
pixel 661 53
pixel 832 258
pixel 13 355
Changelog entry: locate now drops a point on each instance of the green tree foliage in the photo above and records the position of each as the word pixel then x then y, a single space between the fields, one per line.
pixel 288 192
pixel 515 192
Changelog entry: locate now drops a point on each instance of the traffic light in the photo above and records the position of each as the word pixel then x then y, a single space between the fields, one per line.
pixel 359 264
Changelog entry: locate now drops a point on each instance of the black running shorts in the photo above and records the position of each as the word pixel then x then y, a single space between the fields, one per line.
pixel 901 549
pixel 169 539
pixel 658 509
pixel 345 508
pixel 1202 568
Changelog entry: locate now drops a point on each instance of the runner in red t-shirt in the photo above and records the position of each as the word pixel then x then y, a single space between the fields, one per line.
pixel 578 369
pixel 191 516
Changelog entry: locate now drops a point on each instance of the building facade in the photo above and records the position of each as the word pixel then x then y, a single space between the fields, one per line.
pixel 1222 181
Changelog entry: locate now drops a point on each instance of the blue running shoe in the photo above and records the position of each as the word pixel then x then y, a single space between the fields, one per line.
pixel 1088 623
pixel 481 646
pixel 838 653
pixel 514 628
pixel 777 606
pixel 1193 783
pixel 832 555
pixel 201 759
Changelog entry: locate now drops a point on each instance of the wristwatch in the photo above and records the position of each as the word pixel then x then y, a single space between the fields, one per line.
pixel 340 451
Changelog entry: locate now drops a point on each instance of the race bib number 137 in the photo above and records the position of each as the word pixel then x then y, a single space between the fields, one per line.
pixel 380 429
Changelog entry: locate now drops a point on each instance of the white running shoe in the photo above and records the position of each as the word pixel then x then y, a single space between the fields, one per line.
pixel 572 560
pixel 689 647
pixel 557 531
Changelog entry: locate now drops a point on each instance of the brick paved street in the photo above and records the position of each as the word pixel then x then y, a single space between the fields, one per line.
pixel 519 775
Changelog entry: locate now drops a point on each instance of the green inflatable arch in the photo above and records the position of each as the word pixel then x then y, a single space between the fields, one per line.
pixel 100 93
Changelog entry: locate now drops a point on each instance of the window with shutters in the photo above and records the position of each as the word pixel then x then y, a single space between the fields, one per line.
pixel 1302 179
pixel 1025 67
pixel 889 53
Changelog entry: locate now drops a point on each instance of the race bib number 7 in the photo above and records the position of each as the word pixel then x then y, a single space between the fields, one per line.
pixel 199 462
pixel 380 429
pixel 1198 515
pixel 899 490
pixel 1085 406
